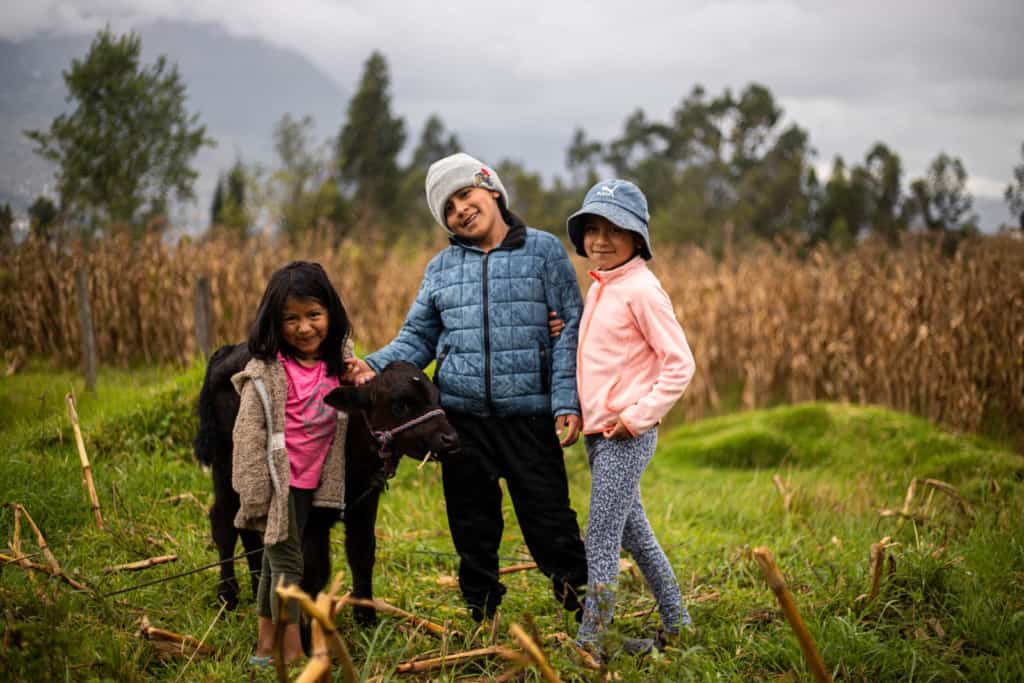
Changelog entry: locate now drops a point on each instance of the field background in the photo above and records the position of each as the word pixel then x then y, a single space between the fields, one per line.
pixel 845 374
pixel 951 605
pixel 909 327
pixel 855 333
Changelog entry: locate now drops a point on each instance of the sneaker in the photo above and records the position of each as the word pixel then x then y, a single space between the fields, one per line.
pixel 261 661
pixel 637 647
pixel 633 647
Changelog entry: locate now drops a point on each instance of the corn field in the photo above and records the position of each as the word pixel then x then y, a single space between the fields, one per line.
pixel 909 328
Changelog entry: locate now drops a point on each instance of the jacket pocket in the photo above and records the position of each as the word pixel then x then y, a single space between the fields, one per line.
pixel 608 397
pixel 254 500
pixel 255 488
pixel 545 374
pixel 437 367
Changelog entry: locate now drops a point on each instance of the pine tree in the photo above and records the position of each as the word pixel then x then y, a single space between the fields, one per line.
pixel 42 215
pixel 370 141
pixel 1014 194
pixel 236 184
pixel 434 144
pixel 217 205
pixel 6 225
pixel 885 195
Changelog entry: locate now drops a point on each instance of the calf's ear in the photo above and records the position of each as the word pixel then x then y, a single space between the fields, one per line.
pixel 349 399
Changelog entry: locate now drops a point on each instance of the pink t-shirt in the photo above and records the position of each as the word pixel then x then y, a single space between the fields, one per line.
pixel 309 423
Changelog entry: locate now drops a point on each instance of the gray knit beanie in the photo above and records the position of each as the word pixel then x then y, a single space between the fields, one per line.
pixel 455 172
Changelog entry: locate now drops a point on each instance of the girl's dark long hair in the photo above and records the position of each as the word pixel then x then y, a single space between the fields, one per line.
pixel 302 280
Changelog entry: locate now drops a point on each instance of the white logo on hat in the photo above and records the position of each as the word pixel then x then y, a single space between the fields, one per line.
pixel 608 190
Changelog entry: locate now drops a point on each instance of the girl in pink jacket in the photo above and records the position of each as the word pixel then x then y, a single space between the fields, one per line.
pixel 632 365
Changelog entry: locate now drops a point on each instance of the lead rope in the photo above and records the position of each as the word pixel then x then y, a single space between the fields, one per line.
pixel 185 573
pixel 385 437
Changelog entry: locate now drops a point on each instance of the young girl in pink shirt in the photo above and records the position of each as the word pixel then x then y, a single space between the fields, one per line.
pixel 632 365
pixel 288 444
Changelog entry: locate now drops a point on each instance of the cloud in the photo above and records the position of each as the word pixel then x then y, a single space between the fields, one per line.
pixel 514 79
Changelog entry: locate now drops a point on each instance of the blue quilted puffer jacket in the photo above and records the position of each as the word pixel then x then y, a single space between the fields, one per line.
pixel 484 317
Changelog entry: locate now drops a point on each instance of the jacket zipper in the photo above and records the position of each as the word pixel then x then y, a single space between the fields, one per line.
pixel 487 338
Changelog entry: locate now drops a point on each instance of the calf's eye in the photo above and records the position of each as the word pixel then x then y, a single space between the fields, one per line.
pixel 399 408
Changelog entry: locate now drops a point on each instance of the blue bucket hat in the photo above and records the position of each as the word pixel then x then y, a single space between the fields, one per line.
pixel 622 203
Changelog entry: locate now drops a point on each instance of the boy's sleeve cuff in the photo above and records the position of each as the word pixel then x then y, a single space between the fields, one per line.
pixel 373 363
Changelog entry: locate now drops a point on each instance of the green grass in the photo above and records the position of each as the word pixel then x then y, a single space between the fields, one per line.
pixel 952 607
pixel 33 407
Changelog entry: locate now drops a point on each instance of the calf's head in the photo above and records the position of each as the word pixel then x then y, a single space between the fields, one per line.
pixel 394 403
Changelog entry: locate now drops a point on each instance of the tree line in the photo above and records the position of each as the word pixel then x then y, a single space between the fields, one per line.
pixel 721 169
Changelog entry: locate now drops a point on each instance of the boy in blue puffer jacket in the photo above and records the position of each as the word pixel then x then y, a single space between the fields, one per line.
pixel 509 389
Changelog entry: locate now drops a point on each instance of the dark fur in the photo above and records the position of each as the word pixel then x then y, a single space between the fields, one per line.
pixel 398 394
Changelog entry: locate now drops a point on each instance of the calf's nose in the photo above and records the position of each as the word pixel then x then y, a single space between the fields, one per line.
pixel 449 441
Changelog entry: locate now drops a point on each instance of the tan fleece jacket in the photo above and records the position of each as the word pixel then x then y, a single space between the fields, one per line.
pixel 264 505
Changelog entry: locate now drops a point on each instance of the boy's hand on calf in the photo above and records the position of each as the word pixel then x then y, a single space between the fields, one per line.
pixel 568 427
pixel 357 371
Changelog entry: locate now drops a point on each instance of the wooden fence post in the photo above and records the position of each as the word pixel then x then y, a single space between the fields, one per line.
pixel 203 316
pixel 85 323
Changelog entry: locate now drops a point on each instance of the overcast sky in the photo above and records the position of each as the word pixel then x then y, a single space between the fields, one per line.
pixel 515 79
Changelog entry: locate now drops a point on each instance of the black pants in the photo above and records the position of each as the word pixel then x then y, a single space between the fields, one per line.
pixel 525 451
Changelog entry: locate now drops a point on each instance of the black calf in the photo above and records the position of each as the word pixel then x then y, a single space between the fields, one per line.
pixel 218 406
pixel 383 412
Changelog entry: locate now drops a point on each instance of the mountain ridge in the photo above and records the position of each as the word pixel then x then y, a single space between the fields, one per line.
pixel 240 87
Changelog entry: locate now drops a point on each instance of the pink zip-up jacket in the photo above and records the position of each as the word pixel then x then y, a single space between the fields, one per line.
pixel 632 360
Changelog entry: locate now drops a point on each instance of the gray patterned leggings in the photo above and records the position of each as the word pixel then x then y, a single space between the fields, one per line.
pixel 617 519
